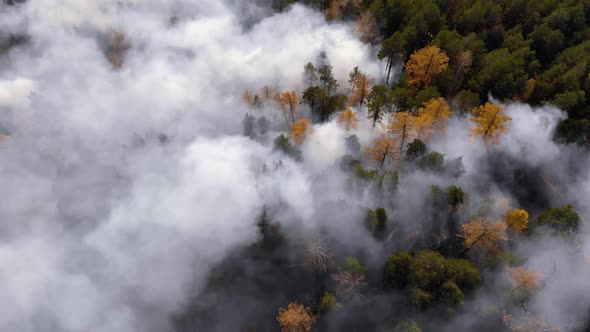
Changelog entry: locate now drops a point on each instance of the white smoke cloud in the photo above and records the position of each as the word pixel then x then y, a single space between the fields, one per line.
pixel 109 229
pixel 107 225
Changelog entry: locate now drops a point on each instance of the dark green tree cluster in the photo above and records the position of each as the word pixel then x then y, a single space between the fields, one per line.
pixel 430 278
pixel 533 51
pixel 320 95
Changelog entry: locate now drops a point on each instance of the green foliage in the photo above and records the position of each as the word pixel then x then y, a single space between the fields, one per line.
pixel 452 293
pixel 563 220
pixel 282 143
pixel 270 232
pixel 504 258
pixel 362 173
pixel 455 196
pixel 397 270
pixel 428 270
pixel 433 161
pixel 416 150
pixel 574 131
pixel 463 273
pixel 466 100
pixel 431 277
pixel 353 266
pixel 502 73
pixel 388 181
pixel 380 102
pixel 407 326
pixel 421 298
pixel 537 51
pixel 376 222
pixel 327 303
pixel 326 78
pixel 425 95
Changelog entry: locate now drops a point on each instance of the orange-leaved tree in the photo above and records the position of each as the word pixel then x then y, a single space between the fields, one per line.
pixel 249 98
pixel 267 93
pixel 490 121
pixel 528 323
pixel 348 119
pixel 401 126
pixel 361 88
pixel 382 148
pixel 481 233
pixel 300 129
pixel 296 318
pixel 423 66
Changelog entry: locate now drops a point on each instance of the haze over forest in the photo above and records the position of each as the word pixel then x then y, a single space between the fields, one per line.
pixel 283 165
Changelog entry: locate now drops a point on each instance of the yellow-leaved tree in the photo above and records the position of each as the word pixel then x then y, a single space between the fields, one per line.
pixel 483 234
pixel 401 125
pixel 433 115
pixel 519 277
pixel 290 99
pixel 517 220
pixel 296 318
pixel 300 129
pixel 490 121
pixel 423 66
pixel 382 148
pixel 348 119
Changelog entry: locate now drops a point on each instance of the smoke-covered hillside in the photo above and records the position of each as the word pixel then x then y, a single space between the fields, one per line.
pixel 225 165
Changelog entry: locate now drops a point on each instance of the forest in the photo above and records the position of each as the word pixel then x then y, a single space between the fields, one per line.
pixel 284 165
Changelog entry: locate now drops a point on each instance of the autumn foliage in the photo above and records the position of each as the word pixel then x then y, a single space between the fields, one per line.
pixel 490 121
pixel 433 115
pixel 481 233
pixel 296 318
pixel 348 119
pixel 517 220
pixel 382 148
pixel 300 129
pixel 529 323
pixel 361 88
pixel 401 126
pixel 521 277
pixel 290 100
pixel 424 65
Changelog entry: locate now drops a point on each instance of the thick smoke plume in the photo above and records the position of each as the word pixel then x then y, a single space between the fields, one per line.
pixel 126 177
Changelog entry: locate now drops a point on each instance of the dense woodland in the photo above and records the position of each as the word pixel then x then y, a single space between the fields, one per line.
pixel 531 51
pixel 445 62
pixel 457 59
